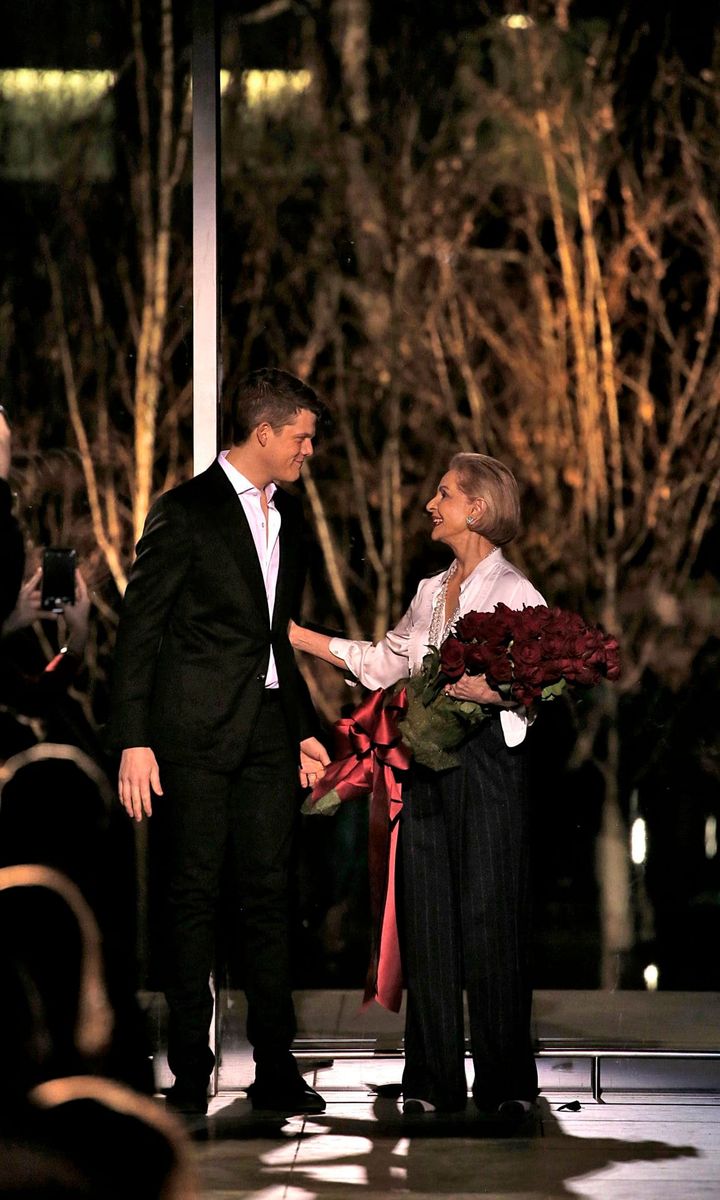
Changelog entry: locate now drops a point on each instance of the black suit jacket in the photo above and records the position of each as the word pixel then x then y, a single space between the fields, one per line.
pixel 194 636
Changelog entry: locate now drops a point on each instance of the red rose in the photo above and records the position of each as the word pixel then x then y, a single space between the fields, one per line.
pixel 553 669
pixel 533 621
pixel 553 643
pixel 499 669
pixel 576 671
pixel 573 622
pixel 577 645
pixel 476 659
pixel 524 693
pixel 452 658
pixel 476 627
pixel 526 654
pixel 597 658
pixel 506 621
pixel 472 627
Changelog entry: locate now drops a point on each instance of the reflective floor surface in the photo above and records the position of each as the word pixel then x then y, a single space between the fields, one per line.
pixel 661 1141
pixel 363 1147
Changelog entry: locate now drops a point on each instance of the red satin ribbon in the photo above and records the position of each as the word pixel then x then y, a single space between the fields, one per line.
pixel 370 757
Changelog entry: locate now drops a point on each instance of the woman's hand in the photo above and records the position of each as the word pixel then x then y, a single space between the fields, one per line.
pixel 5 445
pixel 28 607
pixel 310 642
pixel 77 616
pixel 475 687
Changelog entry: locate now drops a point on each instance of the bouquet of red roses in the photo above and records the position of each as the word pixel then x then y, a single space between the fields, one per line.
pixel 527 655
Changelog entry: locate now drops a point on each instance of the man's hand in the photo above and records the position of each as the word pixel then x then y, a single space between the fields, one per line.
pixel 313 760
pixel 138 778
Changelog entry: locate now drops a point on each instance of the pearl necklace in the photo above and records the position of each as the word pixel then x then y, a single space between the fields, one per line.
pixel 439 627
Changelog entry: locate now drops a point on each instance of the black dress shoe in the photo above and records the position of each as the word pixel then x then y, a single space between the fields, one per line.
pixel 418 1108
pixel 187 1097
pixel 285 1096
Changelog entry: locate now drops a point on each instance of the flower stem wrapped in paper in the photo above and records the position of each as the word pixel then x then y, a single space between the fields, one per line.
pixel 528 655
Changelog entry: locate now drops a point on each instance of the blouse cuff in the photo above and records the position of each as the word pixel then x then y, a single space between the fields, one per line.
pixel 514 726
pixel 340 647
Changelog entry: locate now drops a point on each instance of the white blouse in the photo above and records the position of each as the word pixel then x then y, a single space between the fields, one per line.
pixel 401 651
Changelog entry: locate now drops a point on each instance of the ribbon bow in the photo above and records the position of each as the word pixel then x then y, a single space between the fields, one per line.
pixel 368 751
pixel 371 757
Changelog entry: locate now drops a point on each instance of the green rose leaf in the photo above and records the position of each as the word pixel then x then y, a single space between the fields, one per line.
pixel 551 690
pixel 325 806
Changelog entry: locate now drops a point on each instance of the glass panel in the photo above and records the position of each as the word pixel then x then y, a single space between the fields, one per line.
pixel 426 222
pixel 94 361
pixel 52 119
pixel 457 234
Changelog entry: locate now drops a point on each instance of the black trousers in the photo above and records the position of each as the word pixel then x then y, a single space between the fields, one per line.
pixel 230 834
pixel 465 895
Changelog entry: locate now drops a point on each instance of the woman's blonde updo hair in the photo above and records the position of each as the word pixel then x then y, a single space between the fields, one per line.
pixel 482 477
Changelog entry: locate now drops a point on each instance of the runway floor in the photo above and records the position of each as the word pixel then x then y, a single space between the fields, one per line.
pixel 614 1143
pixel 365 1149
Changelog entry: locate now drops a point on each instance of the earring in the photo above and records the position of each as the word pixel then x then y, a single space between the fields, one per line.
pixel 469 522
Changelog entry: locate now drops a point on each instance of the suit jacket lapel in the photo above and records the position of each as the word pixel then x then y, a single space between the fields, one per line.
pixel 232 526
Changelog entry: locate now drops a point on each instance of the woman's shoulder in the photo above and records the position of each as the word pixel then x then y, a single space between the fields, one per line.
pixel 509 576
pixel 505 567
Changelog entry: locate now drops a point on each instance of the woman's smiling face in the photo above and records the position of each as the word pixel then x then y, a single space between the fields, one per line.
pixel 450 509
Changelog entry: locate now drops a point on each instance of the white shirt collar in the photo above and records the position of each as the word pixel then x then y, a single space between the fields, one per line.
pixel 484 566
pixel 240 482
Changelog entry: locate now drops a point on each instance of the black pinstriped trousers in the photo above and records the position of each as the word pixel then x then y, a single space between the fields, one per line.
pixel 465 897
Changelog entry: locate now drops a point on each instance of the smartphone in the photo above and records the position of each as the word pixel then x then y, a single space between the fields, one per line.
pixel 58 578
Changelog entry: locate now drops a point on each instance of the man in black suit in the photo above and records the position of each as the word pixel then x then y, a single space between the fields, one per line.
pixel 214 722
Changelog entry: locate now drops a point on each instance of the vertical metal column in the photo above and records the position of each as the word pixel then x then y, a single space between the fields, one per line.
pixel 207 366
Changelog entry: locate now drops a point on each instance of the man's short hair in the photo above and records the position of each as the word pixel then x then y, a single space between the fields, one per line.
pixel 272 396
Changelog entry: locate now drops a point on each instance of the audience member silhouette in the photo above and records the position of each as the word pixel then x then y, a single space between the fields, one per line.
pixel 12 550
pixel 65 1128
pixel 33 687
pixel 57 809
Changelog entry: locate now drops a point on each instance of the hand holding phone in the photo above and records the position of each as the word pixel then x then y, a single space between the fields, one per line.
pixel 5 443
pixel 58 578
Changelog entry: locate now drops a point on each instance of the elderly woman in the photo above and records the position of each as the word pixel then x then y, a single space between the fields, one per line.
pixel 464 833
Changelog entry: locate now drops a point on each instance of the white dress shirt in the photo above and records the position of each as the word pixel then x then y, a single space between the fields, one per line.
pixel 401 651
pixel 265 535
